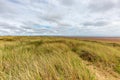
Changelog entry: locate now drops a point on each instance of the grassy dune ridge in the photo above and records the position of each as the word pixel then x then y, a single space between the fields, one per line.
pixel 58 58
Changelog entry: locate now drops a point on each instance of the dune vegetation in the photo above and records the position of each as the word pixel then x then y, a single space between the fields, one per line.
pixel 58 58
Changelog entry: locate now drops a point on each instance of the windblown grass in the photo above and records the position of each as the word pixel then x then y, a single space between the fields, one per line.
pixel 53 58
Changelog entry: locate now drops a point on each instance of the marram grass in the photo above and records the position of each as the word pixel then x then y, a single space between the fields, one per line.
pixel 53 58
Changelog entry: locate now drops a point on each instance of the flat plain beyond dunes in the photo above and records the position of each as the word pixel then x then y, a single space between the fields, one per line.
pixel 59 58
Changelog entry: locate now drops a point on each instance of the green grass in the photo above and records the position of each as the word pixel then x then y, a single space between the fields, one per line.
pixel 55 58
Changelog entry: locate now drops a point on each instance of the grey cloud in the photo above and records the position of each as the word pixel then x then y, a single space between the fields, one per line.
pixel 96 23
pixel 5 7
pixel 63 24
pixel 5 28
pixel 3 31
pixel 13 28
pixel 67 2
pixel 56 20
pixel 101 5
pixel 51 18
pixel 38 30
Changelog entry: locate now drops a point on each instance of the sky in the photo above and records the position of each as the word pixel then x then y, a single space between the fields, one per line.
pixel 60 17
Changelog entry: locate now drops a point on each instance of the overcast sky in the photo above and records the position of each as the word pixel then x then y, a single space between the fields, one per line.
pixel 60 17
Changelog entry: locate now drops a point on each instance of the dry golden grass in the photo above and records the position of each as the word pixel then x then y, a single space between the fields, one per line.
pixel 57 58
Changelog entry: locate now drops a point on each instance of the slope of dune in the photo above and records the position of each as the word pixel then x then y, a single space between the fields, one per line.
pixel 58 58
